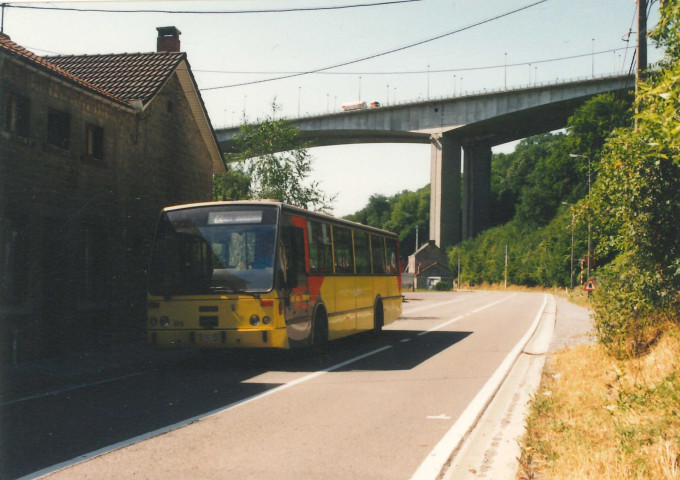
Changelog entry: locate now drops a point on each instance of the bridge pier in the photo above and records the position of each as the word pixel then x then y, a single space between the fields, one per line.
pixel 449 223
pixel 445 211
pixel 476 189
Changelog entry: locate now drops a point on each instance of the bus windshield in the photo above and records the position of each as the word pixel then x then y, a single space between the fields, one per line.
pixel 214 249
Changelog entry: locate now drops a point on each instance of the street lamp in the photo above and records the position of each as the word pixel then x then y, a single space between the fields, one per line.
pixel 574 155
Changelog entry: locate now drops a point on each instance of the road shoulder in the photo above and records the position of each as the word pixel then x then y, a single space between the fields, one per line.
pixel 491 448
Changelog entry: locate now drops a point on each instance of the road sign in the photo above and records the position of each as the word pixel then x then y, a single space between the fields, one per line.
pixel 590 286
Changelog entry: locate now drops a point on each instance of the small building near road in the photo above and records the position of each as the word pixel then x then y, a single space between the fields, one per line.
pixel 428 266
pixel 91 148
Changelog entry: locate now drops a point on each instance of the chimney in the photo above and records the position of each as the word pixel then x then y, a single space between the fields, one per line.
pixel 168 39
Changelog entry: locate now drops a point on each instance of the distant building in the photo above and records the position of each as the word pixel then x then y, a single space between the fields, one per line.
pixel 428 266
pixel 91 148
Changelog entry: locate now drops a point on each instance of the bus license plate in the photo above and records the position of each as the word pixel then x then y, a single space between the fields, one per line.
pixel 208 337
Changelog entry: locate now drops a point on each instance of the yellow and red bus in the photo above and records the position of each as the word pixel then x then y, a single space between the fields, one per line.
pixel 267 274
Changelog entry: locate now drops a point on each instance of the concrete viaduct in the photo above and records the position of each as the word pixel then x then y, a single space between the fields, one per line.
pixel 460 130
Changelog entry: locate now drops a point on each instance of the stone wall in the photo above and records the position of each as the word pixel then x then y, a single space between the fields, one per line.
pixel 75 231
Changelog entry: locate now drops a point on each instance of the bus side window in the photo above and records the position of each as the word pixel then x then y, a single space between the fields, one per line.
pixel 362 253
pixel 378 254
pixel 320 248
pixel 342 250
pixel 392 256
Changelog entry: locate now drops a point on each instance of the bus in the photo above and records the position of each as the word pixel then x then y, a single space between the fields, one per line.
pixel 266 274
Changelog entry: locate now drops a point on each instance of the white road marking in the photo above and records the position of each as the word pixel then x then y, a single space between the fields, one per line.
pixel 430 468
pixel 435 454
pixel 408 311
pixel 175 426
pixel 460 317
pixel 438 417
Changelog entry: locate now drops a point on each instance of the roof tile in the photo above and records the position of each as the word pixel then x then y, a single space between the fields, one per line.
pixel 17 51
pixel 130 76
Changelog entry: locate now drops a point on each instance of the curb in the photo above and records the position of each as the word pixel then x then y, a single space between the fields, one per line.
pixel 441 457
pixel 490 449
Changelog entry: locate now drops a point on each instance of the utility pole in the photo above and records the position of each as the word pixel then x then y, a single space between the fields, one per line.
pixel 641 47
pixel 641 38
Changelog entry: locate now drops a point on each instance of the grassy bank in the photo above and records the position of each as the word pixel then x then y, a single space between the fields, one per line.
pixel 595 417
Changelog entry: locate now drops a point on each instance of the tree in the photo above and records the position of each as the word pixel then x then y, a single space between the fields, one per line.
pixel 376 213
pixel 636 202
pixel 233 185
pixel 272 162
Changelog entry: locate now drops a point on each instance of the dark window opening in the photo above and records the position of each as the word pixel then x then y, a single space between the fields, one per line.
pixel 94 141
pixel 17 110
pixel 58 129
pixel 13 260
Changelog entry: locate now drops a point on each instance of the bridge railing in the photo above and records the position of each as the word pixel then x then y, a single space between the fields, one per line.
pixel 465 94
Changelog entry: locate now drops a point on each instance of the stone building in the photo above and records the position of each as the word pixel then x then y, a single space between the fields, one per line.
pixel 429 265
pixel 91 148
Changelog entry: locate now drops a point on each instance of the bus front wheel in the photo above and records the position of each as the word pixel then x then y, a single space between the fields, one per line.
pixel 378 317
pixel 320 329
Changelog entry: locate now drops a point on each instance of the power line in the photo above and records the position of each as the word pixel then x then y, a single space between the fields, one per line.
pixel 213 12
pixel 420 72
pixel 394 50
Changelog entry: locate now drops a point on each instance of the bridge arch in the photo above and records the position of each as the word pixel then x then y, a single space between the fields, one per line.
pixel 461 132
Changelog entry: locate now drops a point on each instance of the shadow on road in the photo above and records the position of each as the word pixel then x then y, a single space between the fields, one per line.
pixel 48 430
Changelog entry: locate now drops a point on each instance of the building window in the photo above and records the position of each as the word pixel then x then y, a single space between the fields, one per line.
pixel 13 261
pixel 94 141
pixel 59 129
pixel 17 110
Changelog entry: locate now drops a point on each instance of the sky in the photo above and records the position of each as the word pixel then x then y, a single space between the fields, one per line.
pixel 479 48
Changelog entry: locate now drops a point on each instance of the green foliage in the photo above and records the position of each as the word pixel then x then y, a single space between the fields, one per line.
pixel 233 185
pixel 272 162
pixel 401 214
pixel 637 203
pixel 376 213
pixel 590 127
pixel 538 178
pixel 442 286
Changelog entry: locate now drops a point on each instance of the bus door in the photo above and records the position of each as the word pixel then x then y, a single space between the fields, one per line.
pixel 294 290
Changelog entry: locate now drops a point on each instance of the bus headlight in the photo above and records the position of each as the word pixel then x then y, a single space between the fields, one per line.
pixel 254 320
pixel 266 320
pixel 165 321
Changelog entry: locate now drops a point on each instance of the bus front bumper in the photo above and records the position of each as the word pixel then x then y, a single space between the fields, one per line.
pixel 254 338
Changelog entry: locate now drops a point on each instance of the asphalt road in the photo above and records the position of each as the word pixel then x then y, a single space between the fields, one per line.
pixel 367 408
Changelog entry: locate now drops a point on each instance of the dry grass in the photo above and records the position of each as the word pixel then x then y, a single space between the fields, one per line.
pixel 576 296
pixel 595 417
